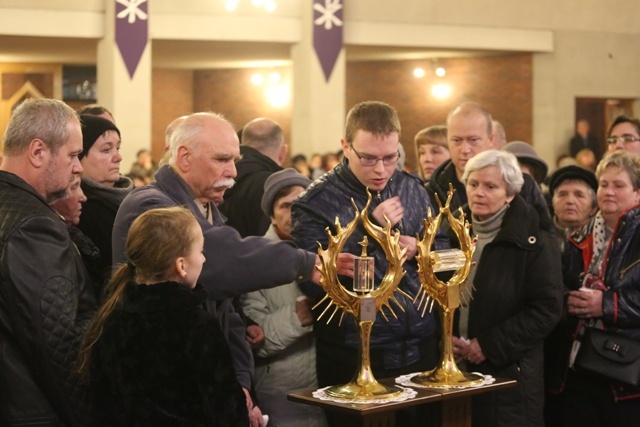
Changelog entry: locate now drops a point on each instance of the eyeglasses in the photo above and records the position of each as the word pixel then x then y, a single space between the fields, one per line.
pixel 366 160
pixel 625 139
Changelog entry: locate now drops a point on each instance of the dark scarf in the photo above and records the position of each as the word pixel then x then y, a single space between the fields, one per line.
pixel 112 195
pixel 485 232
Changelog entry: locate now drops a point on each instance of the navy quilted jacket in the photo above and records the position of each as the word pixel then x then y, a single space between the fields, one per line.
pixel 329 198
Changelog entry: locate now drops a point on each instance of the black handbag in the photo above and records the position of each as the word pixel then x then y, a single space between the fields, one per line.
pixel 610 355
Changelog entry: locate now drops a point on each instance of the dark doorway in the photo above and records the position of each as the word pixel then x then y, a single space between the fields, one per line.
pixel 600 112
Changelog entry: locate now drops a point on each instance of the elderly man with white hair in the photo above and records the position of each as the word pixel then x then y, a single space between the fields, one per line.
pixel 204 149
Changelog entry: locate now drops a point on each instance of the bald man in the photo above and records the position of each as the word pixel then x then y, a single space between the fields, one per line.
pixel 263 150
pixel 469 132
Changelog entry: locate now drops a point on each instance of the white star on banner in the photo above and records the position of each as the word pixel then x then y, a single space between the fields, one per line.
pixel 132 10
pixel 328 18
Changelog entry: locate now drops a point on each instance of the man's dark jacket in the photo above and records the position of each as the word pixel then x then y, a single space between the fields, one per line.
pixel 234 265
pixel 242 202
pixel 329 197
pixel 46 303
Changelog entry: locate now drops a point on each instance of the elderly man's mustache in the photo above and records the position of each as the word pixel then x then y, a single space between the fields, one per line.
pixel 224 182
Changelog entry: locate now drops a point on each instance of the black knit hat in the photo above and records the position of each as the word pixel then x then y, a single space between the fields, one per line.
pixel 92 128
pixel 572 172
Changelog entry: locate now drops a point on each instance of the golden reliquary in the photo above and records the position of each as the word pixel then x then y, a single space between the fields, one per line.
pixel 365 300
pixel 449 296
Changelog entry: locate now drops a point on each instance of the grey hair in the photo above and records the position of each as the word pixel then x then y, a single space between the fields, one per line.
pixel 38 118
pixel 505 162
pixel 188 131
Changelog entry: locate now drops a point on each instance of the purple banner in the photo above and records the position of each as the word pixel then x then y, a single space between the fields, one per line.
pixel 327 32
pixel 132 31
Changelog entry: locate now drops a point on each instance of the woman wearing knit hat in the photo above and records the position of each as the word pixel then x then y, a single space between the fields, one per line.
pixel 103 185
pixel 431 149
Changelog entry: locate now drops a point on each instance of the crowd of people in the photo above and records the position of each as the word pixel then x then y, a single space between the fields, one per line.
pixel 187 299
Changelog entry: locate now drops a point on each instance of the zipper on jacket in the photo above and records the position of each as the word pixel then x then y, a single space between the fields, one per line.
pixel 623 271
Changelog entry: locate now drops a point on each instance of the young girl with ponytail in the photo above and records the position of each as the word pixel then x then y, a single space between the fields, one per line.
pixel 153 355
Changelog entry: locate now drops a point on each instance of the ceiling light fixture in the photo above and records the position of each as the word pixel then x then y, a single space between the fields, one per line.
pixel 437 68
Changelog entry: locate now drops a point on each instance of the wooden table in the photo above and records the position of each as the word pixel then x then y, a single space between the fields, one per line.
pixel 454 405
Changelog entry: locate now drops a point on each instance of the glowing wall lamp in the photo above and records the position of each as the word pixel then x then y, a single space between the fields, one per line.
pixel 277 96
pixel 276 88
pixel 441 90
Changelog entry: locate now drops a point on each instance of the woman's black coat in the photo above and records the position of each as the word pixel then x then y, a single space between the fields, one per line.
pixel 517 301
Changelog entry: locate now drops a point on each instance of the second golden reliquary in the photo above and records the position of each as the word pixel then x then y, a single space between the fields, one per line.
pixel 448 295
pixel 365 301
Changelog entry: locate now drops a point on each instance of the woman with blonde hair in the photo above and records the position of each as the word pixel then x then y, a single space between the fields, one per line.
pixel 601 274
pixel 152 355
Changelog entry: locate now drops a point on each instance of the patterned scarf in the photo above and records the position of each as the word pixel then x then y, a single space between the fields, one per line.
pixel 600 237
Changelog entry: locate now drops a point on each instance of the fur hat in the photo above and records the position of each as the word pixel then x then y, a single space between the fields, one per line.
pixel 278 181
pixel 526 154
pixel 92 128
pixel 572 172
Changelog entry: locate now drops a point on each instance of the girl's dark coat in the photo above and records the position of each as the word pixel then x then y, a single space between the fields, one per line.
pixel 163 360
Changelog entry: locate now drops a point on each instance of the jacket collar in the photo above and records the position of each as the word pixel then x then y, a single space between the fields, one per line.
pixel 520 225
pixel 439 181
pixel 175 187
pixel 580 234
pixel 253 161
pixel 344 172
pixel 628 217
pixel 17 182
pixel 161 296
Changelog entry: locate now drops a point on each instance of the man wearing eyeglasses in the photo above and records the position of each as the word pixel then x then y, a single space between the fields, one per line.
pixel 624 134
pixel 371 153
